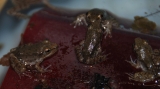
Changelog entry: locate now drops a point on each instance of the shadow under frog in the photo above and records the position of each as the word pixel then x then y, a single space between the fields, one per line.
pixel 29 56
pixel 99 22
pixel 147 61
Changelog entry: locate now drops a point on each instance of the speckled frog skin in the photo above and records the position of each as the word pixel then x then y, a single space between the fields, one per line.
pixel 30 56
pixel 99 23
pixel 147 60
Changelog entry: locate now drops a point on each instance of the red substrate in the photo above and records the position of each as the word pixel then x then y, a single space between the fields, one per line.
pixel 67 72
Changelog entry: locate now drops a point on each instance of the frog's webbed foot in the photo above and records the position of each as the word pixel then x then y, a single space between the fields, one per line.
pixel 80 20
pixel 145 76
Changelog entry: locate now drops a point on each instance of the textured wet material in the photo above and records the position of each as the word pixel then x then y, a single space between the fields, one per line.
pixel 67 72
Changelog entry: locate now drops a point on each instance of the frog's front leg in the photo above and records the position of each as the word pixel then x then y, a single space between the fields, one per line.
pixel 80 20
pixel 137 64
pixel 42 69
pixel 107 26
pixel 144 76
pixel 134 63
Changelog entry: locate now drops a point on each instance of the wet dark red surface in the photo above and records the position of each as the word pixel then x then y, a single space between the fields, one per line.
pixel 67 72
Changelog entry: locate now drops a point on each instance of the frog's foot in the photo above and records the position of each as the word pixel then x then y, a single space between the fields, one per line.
pixel 26 75
pixel 133 63
pixel 145 76
pixel 107 26
pixel 107 33
pixel 80 20
pixel 42 69
pixel 46 69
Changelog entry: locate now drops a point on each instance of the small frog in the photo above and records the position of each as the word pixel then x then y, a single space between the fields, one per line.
pixel 99 22
pixel 145 62
pixel 24 4
pixel 30 56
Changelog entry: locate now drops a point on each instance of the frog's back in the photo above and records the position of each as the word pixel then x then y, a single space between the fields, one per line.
pixel 28 54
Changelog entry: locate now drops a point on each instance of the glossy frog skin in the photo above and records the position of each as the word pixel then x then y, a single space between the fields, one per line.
pixel 30 56
pixel 146 61
pixel 99 23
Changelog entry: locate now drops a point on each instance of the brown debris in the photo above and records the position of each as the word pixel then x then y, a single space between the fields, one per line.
pixel 143 25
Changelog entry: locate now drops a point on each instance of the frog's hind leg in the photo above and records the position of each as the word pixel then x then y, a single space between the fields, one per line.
pixel 78 51
pixel 16 65
pixel 97 57
pixel 144 76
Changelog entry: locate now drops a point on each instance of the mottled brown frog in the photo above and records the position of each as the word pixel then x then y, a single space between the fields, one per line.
pixel 30 56
pixel 24 4
pixel 99 22
pixel 145 61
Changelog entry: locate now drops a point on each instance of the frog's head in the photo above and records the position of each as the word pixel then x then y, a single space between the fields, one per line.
pixel 140 43
pixel 96 15
pixel 48 48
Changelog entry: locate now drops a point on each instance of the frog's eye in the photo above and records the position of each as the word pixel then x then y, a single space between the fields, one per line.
pixel 45 41
pixel 86 13
pixel 145 43
pixel 100 16
pixel 47 50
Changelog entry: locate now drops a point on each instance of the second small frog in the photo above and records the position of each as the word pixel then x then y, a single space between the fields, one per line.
pixel 29 56
pixel 147 61
pixel 99 22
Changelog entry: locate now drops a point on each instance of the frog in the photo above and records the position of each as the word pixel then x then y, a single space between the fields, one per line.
pixel 99 23
pixel 29 56
pixel 24 4
pixel 145 62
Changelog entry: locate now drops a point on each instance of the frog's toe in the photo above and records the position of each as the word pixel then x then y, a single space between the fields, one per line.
pixel 46 69
pixel 130 74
